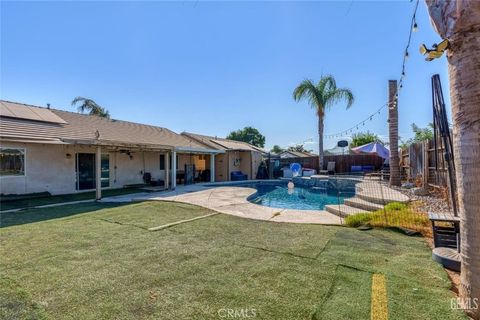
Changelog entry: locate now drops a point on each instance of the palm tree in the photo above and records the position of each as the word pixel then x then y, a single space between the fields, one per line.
pixel 393 134
pixel 321 97
pixel 459 22
pixel 91 106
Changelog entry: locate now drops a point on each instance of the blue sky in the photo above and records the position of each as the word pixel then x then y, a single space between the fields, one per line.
pixel 213 67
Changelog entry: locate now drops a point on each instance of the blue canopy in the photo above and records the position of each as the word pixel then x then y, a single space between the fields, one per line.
pixel 373 147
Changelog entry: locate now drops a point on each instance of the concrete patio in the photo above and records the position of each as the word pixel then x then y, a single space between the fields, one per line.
pixel 232 199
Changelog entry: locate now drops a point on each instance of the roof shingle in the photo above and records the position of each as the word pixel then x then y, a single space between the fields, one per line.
pixel 80 127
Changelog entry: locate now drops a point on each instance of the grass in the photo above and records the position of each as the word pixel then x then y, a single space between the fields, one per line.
pixel 45 199
pixel 395 215
pixel 97 261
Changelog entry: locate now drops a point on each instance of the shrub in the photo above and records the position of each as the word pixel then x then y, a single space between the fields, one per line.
pixel 395 215
pixel 359 219
pixel 395 206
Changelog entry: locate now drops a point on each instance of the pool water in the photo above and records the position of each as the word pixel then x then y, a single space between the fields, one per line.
pixel 300 198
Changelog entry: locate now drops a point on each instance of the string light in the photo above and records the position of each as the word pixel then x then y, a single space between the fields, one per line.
pixel 415 25
pixel 413 28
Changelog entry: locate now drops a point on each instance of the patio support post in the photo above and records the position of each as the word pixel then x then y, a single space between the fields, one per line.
pixel 174 170
pixel 212 167
pixel 167 170
pixel 98 173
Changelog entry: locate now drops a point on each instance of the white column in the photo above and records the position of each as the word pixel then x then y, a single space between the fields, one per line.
pixel 174 170
pixel 98 173
pixel 167 170
pixel 212 167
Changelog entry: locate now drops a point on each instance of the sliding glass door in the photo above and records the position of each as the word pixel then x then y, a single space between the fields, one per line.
pixel 85 171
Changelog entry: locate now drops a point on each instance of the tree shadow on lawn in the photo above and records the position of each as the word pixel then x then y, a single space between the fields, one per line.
pixel 26 216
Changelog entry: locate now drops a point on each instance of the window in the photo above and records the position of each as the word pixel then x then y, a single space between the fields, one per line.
pixel 12 162
pixel 162 162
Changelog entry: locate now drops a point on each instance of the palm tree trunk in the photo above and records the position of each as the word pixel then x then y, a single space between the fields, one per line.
pixel 459 22
pixel 393 134
pixel 464 73
pixel 320 142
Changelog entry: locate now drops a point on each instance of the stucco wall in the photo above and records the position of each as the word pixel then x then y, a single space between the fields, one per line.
pixel 221 167
pixel 129 170
pixel 49 169
pixel 246 163
pixel 256 160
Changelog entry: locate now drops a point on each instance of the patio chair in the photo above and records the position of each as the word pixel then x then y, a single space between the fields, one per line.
pixel 330 168
pixel 356 170
pixel 368 168
pixel 238 176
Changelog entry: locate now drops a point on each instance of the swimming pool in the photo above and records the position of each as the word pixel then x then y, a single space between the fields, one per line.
pixel 277 195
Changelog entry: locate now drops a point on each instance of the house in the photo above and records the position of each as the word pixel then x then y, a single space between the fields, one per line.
pixel 55 151
pixel 337 151
pixel 235 156
pixel 296 154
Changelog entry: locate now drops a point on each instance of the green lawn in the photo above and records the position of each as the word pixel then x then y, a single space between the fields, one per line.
pixel 34 200
pixel 99 261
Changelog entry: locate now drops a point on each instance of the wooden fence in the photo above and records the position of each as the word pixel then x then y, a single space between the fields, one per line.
pixel 418 163
pixel 343 163
pixel 305 162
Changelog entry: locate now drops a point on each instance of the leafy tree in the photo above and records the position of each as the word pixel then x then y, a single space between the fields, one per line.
pixel 91 106
pixel 361 138
pixel 322 96
pixel 422 134
pixel 249 135
pixel 277 149
pixel 298 148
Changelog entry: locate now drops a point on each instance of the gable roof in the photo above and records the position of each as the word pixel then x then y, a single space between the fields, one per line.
pixel 221 143
pixel 335 151
pixel 86 129
pixel 296 154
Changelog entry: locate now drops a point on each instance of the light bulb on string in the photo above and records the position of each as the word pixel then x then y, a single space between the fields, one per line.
pixel 406 54
pixel 415 25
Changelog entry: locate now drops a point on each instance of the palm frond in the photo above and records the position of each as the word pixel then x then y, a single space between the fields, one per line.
pixel 303 90
pixel 338 95
pixel 327 83
pixel 91 106
pixel 100 112
pixel 307 90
